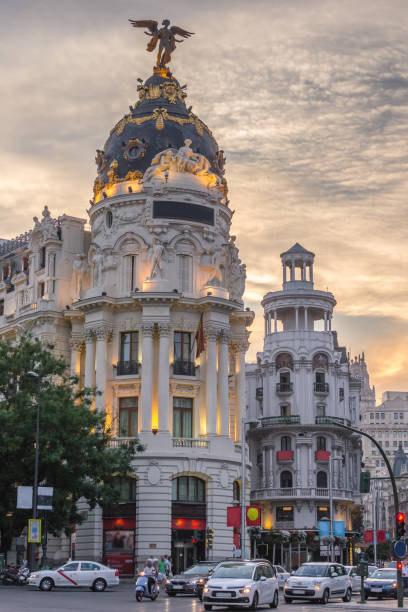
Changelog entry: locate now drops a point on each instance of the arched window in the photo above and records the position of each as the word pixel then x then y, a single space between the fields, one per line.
pixel 321 480
pixel 188 489
pixel 286 444
pixel 286 480
pixel 320 361
pixel 284 360
pixel 236 491
pixel 321 443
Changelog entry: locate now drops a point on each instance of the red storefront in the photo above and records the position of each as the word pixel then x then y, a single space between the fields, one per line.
pixel 119 544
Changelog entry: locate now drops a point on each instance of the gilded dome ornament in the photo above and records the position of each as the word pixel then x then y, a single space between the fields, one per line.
pixel 134 149
pixel 165 36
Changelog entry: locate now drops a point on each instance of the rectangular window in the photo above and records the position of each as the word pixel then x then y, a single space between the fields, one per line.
pixel 380 434
pixel 395 444
pixel 43 256
pixel 382 416
pixel 130 267
pixel 341 394
pixel 284 513
pixel 182 417
pixel 285 410
pixel 371 415
pixel 1 308
pixel 395 415
pixel 401 415
pixel 387 443
pixel 128 409
pixel 41 290
pixel 185 271
pixel 183 361
pixel 377 416
pixel 129 347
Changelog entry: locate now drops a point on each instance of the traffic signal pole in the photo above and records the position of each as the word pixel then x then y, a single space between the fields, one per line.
pixel 400 591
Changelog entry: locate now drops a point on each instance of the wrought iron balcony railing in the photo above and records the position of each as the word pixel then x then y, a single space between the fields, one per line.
pixel 125 368
pixel 184 368
pixel 284 387
pixel 321 387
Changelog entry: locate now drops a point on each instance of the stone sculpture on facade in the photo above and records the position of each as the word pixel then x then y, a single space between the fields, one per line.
pixel 79 267
pixel 156 253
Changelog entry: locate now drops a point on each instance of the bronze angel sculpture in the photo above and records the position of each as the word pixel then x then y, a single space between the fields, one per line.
pixel 166 36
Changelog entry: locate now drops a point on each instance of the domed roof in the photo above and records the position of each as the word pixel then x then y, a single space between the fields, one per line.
pixel 159 120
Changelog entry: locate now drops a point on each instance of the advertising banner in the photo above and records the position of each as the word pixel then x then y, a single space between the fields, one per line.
pixel 34 531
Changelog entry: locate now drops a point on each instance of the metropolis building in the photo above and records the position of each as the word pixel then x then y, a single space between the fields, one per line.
pixel 299 385
pixel 122 301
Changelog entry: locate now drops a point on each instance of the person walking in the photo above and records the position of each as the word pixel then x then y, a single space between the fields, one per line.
pixel 162 567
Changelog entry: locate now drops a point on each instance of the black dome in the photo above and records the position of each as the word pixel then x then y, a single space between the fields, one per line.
pixel 160 120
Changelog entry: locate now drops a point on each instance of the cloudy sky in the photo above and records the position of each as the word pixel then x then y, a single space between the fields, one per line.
pixel 309 99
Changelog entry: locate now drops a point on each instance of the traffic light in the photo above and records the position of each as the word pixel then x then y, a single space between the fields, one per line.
pixel 400 525
pixel 210 536
pixel 399 565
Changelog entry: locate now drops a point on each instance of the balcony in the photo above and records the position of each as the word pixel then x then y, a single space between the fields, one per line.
pixel 321 388
pixel 322 455
pixel 293 419
pixel 328 420
pixel 284 455
pixel 301 493
pixel 115 442
pixel 284 388
pixel 190 443
pixel 184 368
pixel 126 368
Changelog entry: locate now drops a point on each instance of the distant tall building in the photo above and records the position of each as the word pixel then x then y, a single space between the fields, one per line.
pixel 358 369
pixel 299 385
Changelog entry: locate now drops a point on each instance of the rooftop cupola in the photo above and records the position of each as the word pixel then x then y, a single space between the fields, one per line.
pixel 297 264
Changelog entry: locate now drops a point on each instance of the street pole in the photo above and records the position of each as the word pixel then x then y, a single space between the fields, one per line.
pixel 37 450
pixel 331 508
pixel 243 506
pixel 375 524
pixel 400 592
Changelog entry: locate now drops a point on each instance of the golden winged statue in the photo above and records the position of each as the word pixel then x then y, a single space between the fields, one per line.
pixel 166 36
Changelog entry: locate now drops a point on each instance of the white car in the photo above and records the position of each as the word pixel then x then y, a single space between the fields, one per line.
pixel 355 578
pixel 242 583
pixel 76 574
pixel 281 574
pixel 319 582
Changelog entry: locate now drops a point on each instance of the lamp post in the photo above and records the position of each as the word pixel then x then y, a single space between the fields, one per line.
pixel 37 448
pixel 244 422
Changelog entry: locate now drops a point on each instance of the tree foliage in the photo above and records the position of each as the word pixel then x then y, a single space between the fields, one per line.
pixel 75 456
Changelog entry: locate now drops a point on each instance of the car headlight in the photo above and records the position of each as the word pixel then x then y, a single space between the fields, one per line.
pixel 285 586
pixel 245 590
pixel 33 575
pixel 317 587
pixel 201 580
pixel 192 581
pixel 206 590
pixel 394 585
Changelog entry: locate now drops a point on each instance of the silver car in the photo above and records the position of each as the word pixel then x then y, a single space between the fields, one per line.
pixel 76 574
pixel 281 574
pixel 355 578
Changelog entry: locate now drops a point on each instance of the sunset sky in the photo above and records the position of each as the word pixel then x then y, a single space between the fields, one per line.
pixel 308 99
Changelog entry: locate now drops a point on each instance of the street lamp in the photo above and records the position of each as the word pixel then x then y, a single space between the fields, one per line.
pixel 37 447
pixel 244 422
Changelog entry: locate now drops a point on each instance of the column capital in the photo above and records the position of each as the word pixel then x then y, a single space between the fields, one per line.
pixel 211 333
pixel 224 336
pixel 103 332
pixel 164 330
pixel 240 345
pixel 77 344
pixel 89 335
pixel 147 329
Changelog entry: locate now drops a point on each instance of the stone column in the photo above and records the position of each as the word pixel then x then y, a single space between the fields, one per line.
pixel 266 324
pixel 284 272
pixel 311 273
pixel 292 271
pixel 102 336
pixel 306 322
pixel 325 320
pixel 297 318
pixel 223 343
pixel 146 393
pixel 241 349
pixel 89 358
pixel 304 271
pixel 275 321
pixel 211 382
pixel 77 346
pixel 163 378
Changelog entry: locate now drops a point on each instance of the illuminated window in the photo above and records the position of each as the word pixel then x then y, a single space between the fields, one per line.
pixel 322 512
pixel 128 416
pixel 188 489
pixel 284 513
pixel 182 417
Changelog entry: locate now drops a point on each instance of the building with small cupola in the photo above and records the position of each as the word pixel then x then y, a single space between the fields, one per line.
pixel 146 305
pixel 298 388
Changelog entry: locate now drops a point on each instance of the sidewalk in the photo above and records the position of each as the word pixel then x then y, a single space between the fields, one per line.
pixel 371 605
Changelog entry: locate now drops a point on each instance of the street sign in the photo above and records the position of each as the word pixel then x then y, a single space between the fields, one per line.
pixel 34 531
pixel 400 549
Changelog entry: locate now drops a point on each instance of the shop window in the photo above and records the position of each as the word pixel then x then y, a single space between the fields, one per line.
pixel 322 513
pixel 185 273
pixel 182 417
pixel 188 489
pixel 286 480
pixel 284 513
pixel 321 443
pixel 183 363
pixel 286 443
pixel 321 480
pixel 128 417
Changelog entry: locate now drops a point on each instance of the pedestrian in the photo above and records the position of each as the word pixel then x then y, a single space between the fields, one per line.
pixel 168 564
pixel 162 566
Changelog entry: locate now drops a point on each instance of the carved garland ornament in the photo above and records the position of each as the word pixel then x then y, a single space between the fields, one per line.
pixel 169 91
pixel 161 115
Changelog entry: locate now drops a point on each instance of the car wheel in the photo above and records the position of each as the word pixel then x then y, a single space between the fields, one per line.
pixel 99 585
pixel 207 607
pixel 46 584
pixel 275 600
pixel 325 598
pixel 288 599
pixel 254 605
pixel 347 596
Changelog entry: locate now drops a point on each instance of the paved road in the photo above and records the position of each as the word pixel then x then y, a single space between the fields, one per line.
pixel 27 599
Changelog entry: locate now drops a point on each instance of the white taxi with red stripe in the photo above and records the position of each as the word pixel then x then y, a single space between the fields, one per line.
pixel 76 574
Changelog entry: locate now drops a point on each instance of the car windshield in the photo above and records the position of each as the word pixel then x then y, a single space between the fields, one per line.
pixel 388 574
pixel 314 571
pixel 198 569
pixel 234 570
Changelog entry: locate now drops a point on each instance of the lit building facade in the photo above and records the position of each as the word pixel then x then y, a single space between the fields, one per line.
pixel 300 382
pixel 122 300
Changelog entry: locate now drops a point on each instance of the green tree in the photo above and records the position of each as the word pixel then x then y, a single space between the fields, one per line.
pixel 75 456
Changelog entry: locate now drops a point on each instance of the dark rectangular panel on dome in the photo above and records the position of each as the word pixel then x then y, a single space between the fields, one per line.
pixel 164 209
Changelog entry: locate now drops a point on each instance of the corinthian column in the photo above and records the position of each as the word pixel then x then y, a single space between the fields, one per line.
pixel 240 350
pixel 211 382
pixel 89 358
pixel 102 336
pixel 223 343
pixel 77 346
pixel 147 378
pixel 163 391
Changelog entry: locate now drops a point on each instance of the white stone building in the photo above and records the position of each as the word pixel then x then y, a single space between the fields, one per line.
pixel 122 302
pixel 300 381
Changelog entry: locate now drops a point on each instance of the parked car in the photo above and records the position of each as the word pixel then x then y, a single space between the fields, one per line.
pixel 281 574
pixel 355 578
pixel 191 581
pixel 382 583
pixel 76 574
pixel 319 582
pixel 242 583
